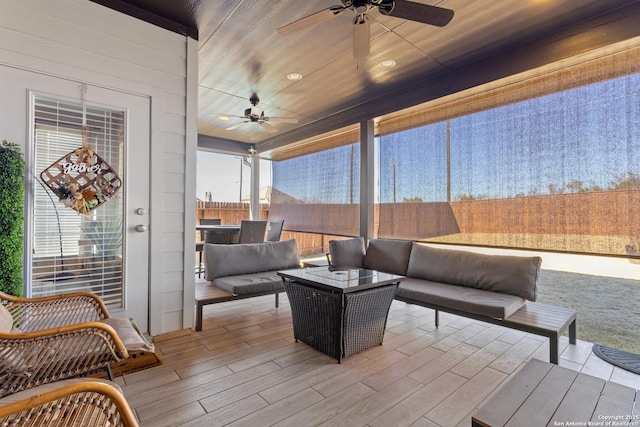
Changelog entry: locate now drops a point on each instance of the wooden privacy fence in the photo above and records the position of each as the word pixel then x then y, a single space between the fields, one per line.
pixel 234 212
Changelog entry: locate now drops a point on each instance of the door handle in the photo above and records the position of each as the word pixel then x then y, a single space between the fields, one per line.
pixel 140 228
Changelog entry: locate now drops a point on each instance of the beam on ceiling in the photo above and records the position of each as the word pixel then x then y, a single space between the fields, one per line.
pixel 221 145
pixel 607 29
pixel 150 17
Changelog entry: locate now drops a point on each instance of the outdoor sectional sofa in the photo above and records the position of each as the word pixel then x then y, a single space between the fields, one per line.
pixel 493 288
pixel 243 271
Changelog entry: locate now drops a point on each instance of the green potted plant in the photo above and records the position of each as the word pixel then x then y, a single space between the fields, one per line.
pixel 12 218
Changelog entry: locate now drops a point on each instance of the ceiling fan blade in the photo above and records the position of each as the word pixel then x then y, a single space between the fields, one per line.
pixel 229 116
pixel 361 36
pixel 310 20
pixel 235 126
pixel 269 127
pixel 418 12
pixel 277 120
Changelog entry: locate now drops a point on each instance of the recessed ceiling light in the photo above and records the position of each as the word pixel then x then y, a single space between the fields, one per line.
pixel 388 63
pixel 225 118
pixel 294 76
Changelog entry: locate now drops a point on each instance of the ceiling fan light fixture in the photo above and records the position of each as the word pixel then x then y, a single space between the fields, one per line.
pixel 294 76
pixel 388 63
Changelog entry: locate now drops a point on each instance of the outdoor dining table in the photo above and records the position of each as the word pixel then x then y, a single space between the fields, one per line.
pixel 226 232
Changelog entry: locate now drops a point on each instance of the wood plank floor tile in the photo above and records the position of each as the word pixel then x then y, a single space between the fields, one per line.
pixel 280 410
pixel 225 358
pixel 354 375
pixel 152 395
pixel 176 417
pixel 454 408
pixel 516 355
pixel 245 369
pixel 228 414
pixel 230 395
pixel 309 379
pixel 475 363
pixel 442 364
pixel 329 407
pixel 426 340
pixel 395 372
pixel 372 407
pixel 419 403
pixel 173 400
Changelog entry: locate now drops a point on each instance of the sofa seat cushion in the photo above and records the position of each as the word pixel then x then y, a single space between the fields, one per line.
pixel 514 275
pixel 246 284
pixel 470 300
pixel 390 256
pixel 230 260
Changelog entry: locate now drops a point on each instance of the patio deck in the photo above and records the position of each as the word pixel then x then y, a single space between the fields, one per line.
pixel 244 368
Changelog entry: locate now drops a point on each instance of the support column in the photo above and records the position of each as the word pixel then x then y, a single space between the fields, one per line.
pixel 367 180
pixel 254 199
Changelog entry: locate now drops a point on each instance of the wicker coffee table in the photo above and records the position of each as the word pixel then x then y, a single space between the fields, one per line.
pixel 339 311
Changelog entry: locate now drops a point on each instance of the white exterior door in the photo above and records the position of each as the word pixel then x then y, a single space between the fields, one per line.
pixel 76 261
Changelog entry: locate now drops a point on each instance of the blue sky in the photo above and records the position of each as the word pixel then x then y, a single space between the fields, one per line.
pixel 220 175
pixel 590 134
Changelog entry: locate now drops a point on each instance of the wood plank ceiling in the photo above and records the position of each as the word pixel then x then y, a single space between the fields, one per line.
pixel 241 53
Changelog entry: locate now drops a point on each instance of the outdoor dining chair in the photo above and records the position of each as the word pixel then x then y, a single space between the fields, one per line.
pixel 203 236
pixel 274 230
pixel 252 231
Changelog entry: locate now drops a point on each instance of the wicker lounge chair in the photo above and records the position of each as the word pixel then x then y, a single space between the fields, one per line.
pixel 48 339
pixel 78 402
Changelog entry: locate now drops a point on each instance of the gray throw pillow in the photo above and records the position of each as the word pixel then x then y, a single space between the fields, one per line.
pixel 230 260
pixel 347 253
pixel 390 256
pixel 514 275
pixel 6 321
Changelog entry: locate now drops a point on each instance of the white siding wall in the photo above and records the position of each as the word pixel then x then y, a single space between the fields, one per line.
pixel 85 42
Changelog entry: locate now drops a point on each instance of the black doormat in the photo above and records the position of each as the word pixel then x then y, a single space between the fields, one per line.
pixel 622 359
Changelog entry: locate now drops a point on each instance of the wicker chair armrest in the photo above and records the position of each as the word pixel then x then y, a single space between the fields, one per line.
pixel 30 314
pixel 29 359
pixel 100 402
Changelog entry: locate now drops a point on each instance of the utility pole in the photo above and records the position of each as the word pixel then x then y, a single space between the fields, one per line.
pixel 394 165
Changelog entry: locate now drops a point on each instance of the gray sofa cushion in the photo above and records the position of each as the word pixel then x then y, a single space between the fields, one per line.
pixel 245 284
pixel 347 253
pixel 468 300
pixel 6 321
pixel 390 256
pixel 230 260
pixel 512 275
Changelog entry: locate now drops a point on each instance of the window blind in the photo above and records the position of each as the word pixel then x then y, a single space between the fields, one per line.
pixel 72 252
pixel 318 192
pixel 558 172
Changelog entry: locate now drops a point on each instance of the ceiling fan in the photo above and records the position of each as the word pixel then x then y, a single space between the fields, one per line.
pixel 255 114
pixel 403 9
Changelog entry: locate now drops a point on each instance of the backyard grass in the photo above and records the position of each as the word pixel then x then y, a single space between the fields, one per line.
pixel 608 307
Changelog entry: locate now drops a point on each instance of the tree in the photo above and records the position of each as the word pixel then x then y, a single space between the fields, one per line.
pixel 628 181
pixel 412 200
pixel 468 197
pixel 12 218
pixel 575 186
